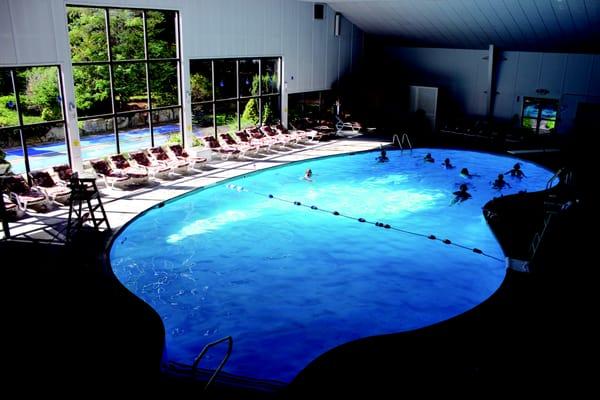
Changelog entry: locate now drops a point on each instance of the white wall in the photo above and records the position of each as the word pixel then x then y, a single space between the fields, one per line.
pixel 463 74
pixel 31 32
pixel 571 78
pixel 34 32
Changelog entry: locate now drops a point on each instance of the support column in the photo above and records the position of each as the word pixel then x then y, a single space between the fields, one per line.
pixel 71 117
pixel 284 96
pixel 187 103
pixel 491 84
pixel 63 51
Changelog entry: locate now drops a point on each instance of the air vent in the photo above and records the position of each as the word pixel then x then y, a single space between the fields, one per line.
pixel 319 11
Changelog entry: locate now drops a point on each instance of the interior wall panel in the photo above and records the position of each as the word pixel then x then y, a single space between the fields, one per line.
pixel 552 73
pixel 594 80
pixel 462 75
pixel 577 74
pixel 291 45
pixel 9 51
pixel 34 31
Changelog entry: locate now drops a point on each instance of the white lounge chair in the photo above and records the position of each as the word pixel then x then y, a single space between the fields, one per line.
pixel 112 179
pixel 24 195
pixel 138 175
pixel 54 190
pixel 13 210
pixel 156 168
pixel 225 152
pixel 179 153
pixel 340 125
pixel 159 154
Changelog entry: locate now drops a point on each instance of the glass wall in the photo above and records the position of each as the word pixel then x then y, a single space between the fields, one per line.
pixel 126 68
pixel 32 122
pixel 313 106
pixel 232 94
pixel 248 76
pixel 539 114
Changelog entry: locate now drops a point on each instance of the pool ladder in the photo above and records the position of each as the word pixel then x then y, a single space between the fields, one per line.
pixel 401 140
pixel 555 177
pixel 538 236
pixel 205 349
pixel 552 205
pixel 567 177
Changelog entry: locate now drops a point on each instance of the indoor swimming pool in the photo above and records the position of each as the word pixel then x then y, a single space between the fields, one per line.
pixel 291 268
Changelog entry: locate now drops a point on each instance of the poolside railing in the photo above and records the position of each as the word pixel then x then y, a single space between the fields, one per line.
pixel 401 141
pixel 205 349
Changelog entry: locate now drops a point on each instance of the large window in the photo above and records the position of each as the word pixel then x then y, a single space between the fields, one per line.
pixel 539 114
pixel 32 119
pixel 232 94
pixel 314 106
pixel 126 68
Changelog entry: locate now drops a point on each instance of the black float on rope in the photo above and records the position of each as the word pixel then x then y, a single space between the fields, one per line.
pixel 378 224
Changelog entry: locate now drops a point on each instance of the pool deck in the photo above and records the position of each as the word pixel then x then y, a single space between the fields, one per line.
pixel 123 205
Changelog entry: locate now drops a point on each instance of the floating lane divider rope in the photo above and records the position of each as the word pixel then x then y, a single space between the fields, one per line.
pixel 363 220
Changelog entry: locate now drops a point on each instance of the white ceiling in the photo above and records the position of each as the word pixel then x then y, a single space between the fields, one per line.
pixel 538 25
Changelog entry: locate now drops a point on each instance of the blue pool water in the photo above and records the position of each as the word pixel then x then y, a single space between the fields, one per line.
pixel 289 282
pixel 92 146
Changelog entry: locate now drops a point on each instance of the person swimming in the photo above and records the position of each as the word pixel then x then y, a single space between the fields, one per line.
pixel 383 156
pixel 462 194
pixel 447 164
pixel 308 175
pixel 428 158
pixel 500 182
pixel 516 171
pixel 466 174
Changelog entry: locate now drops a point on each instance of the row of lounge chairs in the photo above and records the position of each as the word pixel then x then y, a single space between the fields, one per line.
pixel 252 141
pixel 327 129
pixel 51 186
pixel 118 171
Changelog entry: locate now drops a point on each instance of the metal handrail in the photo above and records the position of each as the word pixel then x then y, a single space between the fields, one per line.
pixel 551 180
pixel 197 360
pixel 535 242
pixel 565 173
pixel 538 236
pixel 401 140
pixel 405 136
